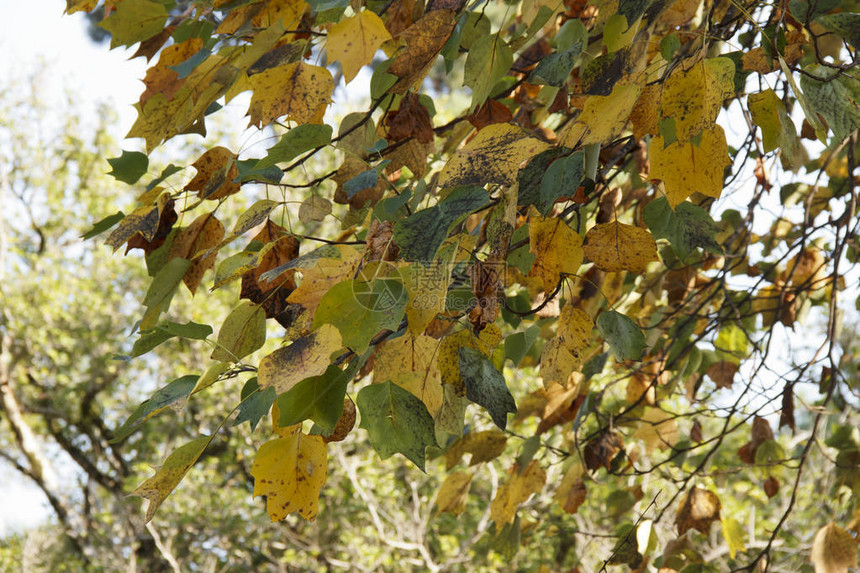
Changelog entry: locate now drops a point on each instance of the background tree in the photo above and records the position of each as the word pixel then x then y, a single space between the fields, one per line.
pixel 566 217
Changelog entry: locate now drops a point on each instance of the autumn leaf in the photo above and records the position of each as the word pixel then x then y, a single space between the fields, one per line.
pixel 410 361
pixel 243 332
pixel 353 41
pixel 688 167
pixel 693 98
pixel 484 446
pixel 424 40
pixel 620 247
pixel 452 495
pixel 557 247
pixel 290 471
pixel 698 510
pixel 488 61
pixel 834 550
pixel 521 485
pixel 205 232
pixel 299 91
pixel 603 117
pixel 449 353
pixel 216 174
pixel 307 356
pixel 494 155
pixel 167 477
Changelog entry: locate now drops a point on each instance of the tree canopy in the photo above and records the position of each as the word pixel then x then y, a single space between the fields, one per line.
pixel 599 224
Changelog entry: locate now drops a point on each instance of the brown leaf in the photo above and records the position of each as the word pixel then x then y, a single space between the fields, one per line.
pixel 160 78
pixel 411 119
pixel 696 432
pixel 723 373
pixel 216 172
pixel 786 415
pixel 698 510
pixel 761 432
pixel 486 287
pixel 148 48
pixel 380 242
pixel 562 405
pixel 205 232
pixel 344 424
pixel 272 295
pixel 602 450
pixel 834 550
pixel 400 16
pixel 490 112
pixel 424 40
pixel 771 486
pixel 166 220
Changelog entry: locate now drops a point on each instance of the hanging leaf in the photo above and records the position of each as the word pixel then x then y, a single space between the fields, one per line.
pixel 486 386
pixel 396 422
pixel 622 334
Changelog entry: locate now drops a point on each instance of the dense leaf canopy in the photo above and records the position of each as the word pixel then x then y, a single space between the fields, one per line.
pixel 645 200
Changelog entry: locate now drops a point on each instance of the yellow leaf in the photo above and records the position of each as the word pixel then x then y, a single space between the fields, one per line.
pixel 325 273
pixel 519 487
pixel 693 98
pixel 160 78
pixel 646 111
pixel 289 12
pixel 452 494
pixel 307 356
pixel 290 472
pixel 167 477
pixel 834 550
pixel 687 168
pixel 733 533
pixel 618 247
pixel 571 493
pixel 574 327
pixel 493 156
pixel 603 118
pixel 427 286
pixel 73 6
pixel 557 247
pixel 483 446
pixel 299 91
pixel 557 362
pixel 353 41
pixel 657 429
pixel 410 362
pixel 449 352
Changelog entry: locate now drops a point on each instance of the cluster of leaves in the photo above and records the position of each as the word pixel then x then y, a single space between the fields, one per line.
pixel 565 217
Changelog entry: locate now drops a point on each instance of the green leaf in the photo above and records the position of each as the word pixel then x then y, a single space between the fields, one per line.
pixel 686 228
pixel 298 140
pixel 164 332
pixel 555 68
pixel 362 181
pixel 486 386
pixel 668 46
pixel 835 95
pixel 381 81
pixel 561 179
pixel 518 344
pixel 845 24
pixel 777 129
pixel 249 171
pixel 488 62
pixel 318 398
pixel 173 396
pixel 255 215
pixel 531 176
pixel 103 225
pixel 134 21
pixel 360 309
pixel 397 422
pixel 732 343
pixel 420 235
pixel 129 167
pixel 624 336
pixel 243 332
pixel 807 10
pixel 234 267
pixel 165 173
pixel 162 289
pixel 255 404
